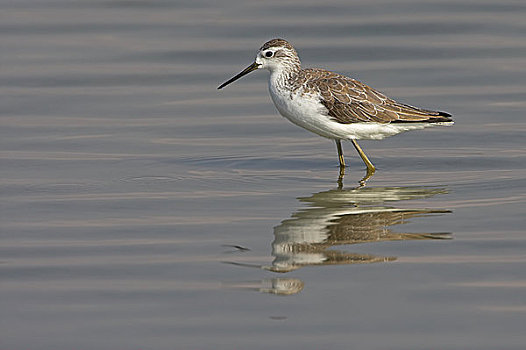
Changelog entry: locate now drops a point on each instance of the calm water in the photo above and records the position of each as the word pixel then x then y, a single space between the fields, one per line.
pixel 144 209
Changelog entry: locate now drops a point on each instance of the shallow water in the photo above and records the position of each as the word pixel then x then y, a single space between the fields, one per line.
pixel 143 209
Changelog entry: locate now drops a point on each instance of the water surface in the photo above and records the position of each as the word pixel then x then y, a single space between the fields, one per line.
pixel 143 209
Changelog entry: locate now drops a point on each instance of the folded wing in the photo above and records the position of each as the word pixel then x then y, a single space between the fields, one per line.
pixel 350 101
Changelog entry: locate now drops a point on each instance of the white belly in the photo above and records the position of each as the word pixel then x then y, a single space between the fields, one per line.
pixel 307 111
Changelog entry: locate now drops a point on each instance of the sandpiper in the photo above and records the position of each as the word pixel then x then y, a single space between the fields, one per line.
pixel 332 105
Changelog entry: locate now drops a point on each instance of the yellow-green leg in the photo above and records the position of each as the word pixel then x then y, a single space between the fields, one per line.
pixel 340 153
pixel 342 163
pixel 370 167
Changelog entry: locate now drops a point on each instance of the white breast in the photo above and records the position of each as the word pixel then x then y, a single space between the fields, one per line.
pixel 304 110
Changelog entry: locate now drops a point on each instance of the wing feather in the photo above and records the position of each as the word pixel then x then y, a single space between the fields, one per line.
pixel 350 101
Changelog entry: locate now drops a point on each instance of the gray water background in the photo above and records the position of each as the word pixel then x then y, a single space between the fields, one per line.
pixel 141 208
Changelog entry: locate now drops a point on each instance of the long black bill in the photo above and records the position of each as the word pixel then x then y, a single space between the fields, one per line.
pixel 245 71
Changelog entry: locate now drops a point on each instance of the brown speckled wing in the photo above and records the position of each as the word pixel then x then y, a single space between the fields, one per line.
pixel 350 101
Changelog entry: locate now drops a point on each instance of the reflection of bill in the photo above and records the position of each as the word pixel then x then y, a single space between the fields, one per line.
pixel 345 217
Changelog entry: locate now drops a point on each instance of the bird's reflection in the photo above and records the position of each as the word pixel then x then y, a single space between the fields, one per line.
pixel 278 286
pixel 345 217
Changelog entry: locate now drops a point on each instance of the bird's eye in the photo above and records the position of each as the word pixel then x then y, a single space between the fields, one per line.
pixel 269 54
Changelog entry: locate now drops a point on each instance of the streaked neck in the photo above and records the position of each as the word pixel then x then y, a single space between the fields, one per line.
pixel 285 75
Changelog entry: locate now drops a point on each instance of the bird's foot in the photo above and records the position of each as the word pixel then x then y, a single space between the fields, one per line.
pixel 368 175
